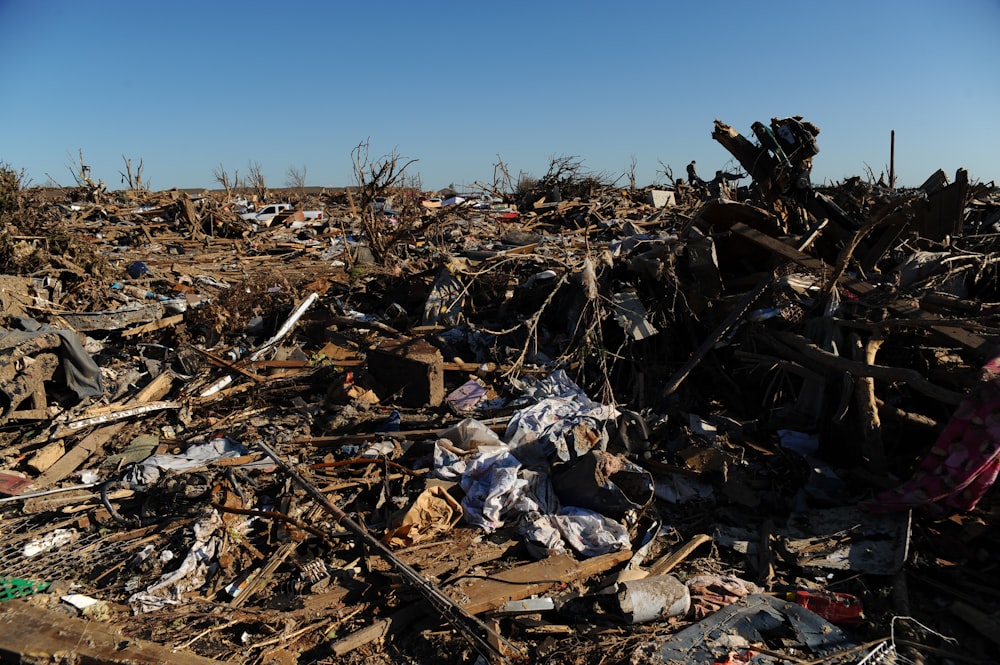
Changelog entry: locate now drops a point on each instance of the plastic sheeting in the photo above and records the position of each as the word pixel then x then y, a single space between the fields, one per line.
pixel 148 471
pixel 190 575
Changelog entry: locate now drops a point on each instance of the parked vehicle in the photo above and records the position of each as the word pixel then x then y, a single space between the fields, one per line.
pixel 381 205
pixel 266 215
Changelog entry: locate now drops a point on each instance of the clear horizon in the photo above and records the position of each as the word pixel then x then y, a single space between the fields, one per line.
pixel 189 88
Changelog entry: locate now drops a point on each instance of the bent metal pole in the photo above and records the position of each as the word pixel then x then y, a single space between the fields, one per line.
pixel 467 624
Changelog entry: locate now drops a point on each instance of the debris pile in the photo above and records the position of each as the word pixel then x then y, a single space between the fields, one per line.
pixel 745 419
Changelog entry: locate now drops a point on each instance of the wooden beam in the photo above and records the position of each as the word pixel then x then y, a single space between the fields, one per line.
pixel 32 634
pixel 519 583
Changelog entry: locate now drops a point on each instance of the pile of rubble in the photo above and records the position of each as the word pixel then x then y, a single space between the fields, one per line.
pixel 702 422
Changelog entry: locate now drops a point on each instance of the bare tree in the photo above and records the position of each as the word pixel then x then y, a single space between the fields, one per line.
pixel 667 171
pixel 255 181
pixel 295 178
pixel 375 179
pixel 134 178
pixel 222 177
pixel 81 176
pixel 503 184
pixel 565 179
pixel 630 172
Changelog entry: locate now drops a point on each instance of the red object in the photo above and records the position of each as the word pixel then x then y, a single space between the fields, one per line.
pixel 841 609
pixel 12 484
pixel 343 391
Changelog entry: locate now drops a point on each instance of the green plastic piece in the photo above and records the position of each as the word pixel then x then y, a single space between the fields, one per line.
pixel 13 587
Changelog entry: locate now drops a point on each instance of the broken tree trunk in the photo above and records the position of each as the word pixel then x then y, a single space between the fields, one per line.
pixel 909 376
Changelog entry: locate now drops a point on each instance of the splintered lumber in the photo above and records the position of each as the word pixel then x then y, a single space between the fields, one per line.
pixel 286 328
pixel 71 461
pixel 667 563
pixel 118 412
pixel 32 634
pixel 76 456
pixel 538 577
pixel 153 326
pixel 380 629
pixel 193 219
pixel 858 287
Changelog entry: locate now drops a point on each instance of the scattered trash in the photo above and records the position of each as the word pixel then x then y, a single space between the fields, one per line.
pixel 12 588
pixel 652 599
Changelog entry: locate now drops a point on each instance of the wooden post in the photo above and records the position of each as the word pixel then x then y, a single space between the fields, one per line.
pixel 892 159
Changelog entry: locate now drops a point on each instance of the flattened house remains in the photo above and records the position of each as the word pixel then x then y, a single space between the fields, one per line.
pixel 702 422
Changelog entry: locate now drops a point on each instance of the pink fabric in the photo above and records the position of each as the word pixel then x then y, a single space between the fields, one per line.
pixel 964 461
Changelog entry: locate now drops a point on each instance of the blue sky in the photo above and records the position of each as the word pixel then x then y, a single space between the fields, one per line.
pixel 189 86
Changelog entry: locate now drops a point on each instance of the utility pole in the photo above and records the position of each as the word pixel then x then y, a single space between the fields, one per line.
pixel 892 159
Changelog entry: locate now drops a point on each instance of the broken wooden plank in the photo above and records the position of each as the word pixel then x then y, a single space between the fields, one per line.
pixel 482 595
pixel 115 319
pixel 32 634
pixel 380 629
pixel 82 451
pixel 47 456
pixel 665 564
pixel 117 412
pixel 153 326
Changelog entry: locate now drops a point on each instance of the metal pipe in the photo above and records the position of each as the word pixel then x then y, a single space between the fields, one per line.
pixel 467 624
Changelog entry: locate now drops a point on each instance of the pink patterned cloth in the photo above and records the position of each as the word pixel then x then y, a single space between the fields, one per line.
pixel 964 461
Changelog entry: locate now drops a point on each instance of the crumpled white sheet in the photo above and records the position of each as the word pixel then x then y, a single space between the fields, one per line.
pixel 499 485
pixel 491 485
pixel 148 471
pixel 190 575
pixel 584 531
pixel 535 432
